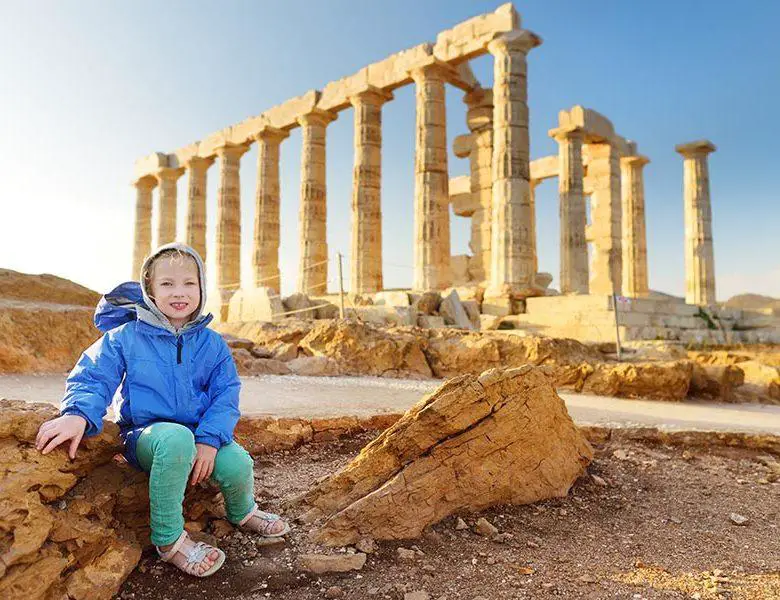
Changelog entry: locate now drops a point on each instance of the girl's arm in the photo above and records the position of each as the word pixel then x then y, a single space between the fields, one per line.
pixel 94 380
pixel 218 422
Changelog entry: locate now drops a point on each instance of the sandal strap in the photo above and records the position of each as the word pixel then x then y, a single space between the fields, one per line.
pixel 167 556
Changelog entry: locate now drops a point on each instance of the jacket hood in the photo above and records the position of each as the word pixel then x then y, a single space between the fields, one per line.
pixel 149 311
pixel 130 301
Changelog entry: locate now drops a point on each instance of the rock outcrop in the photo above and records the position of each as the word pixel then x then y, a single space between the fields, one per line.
pixel 501 437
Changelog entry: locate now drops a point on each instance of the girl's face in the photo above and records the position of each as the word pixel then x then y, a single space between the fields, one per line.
pixel 175 288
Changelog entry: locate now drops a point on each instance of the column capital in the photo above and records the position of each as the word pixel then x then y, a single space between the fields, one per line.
pixel 370 95
pixel 193 163
pixel 168 173
pixel 695 149
pixel 317 116
pixel 519 40
pixel 432 68
pixel 147 182
pixel 228 150
pixel 270 134
pixel 636 160
pixel 560 134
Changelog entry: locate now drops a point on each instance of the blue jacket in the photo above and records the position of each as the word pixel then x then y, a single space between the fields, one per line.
pixel 187 377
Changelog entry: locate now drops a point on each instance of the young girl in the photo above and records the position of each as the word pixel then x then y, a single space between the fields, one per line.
pixel 178 405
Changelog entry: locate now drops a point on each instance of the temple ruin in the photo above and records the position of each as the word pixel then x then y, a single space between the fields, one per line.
pixel 603 244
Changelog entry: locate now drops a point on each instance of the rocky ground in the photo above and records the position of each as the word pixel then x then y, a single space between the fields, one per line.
pixel 648 521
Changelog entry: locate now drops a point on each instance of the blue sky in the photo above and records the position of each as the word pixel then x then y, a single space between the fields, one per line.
pixel 88 86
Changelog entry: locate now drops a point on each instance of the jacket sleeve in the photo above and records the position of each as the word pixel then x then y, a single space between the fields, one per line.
pixel 93 381
pixel 218 422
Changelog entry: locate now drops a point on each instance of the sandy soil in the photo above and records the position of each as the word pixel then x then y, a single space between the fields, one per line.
pixel 654 522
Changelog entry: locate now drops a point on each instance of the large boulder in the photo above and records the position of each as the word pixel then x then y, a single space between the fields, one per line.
pixel 300 305
pixel 669 380
pixel 255 304
pixel 715 381
pixel 361 349
pixel 501 437
pixel 453 312
pixel 761 380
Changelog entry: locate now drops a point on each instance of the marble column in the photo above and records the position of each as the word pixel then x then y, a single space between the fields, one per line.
pixel 166 222
pixel 142 246
pixel 634 241
pixel 479 118
pixel 265 257
pixel 366 252
pixel 229 224
pixel 513 247
pixel 699 257
pixel 431 180
pixel 606 277
pixel 573 217
pixel 195 234
pixel 313 269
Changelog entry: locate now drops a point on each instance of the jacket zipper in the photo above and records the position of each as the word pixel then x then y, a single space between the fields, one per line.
pixel 178 350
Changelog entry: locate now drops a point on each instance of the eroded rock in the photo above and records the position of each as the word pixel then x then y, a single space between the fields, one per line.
pixel 501 437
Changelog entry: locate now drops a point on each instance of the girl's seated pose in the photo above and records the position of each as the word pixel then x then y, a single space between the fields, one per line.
pixel 178 404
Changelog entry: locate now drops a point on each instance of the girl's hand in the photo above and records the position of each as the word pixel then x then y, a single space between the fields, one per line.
pixel 53 433
pixel 204 463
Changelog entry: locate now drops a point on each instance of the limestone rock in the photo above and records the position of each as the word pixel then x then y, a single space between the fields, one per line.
pixel 234 342
pixel 382 314
pixel 715 381
pixel 453 312
pixel 501 437
pixel 265 366
pixel 472 310
pixel 760 378
pixel 655 380
pixel 427 303
pixel 299 302
pixel 331 563
pixel 327 310
pixel 313 366
pixel 361 349
pixel 485 527
pixel 255 304
pixel 430 322
pixel 391 298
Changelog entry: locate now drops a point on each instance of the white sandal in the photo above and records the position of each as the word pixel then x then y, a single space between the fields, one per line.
pixel 194 556
pixel 268 520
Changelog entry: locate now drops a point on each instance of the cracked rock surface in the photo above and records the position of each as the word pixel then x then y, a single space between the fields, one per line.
pixel 503 437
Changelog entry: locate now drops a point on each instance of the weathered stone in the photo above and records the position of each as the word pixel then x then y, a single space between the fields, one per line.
pixel 715 381
pixel 264 366
pixel 299 302
pixel 327 310
pixel 331 563
pixel 313 366
pixel 453 312
pixel 255 304
pixel 502 437
pixel 430 322
pixel 383 314
pixel 761 378
pixel 472 310
pixel 391 298
pixel 485 527
pixel 427 303
pixel 656 380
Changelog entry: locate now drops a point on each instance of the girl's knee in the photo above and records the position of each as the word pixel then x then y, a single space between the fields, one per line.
pixel 174 442
pixel 233 463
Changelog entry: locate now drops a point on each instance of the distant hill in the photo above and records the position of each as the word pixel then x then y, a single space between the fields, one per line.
pixel 754 302
pixel 44 288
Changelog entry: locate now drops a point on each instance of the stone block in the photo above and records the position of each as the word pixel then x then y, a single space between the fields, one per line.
pixel 426 303
pixel 391 298
pixel 383 315
pixel 459 269
pixel 453 312
pixel 430 322
pixel 255 304
pixel 299 302
pixel 472 310
pixel 470 38
pixel 544 168
pixel 313 366
pixel 488 322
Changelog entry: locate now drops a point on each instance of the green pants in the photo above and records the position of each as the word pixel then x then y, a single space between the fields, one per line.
pixel 167 451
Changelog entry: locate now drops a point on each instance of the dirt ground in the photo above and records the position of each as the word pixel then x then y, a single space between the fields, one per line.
pixel 646 522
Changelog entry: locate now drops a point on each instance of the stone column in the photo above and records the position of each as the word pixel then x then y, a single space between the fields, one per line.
pixel 634 235
pixel 479 118
pixel 431 180
pixel 366 253
pixel 313 270
pixel 195 235
pixel 605 212
pixel 699 258
pixel 143 223
pixel 513 248
pixel 265 257
pixel 166 222
pixel 229 224
pixel 573 217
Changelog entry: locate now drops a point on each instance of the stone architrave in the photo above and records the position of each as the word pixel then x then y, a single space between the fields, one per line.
pixel 606 277
pixel 229 224
pixel 142 246
pixel 195 233
pixel 265 257
pixel 313 269
pixel 699 257
pixel 513 248
pixel 634 232
pixel 166 223
pixel 431 189
pixel 574 249
pixel 366 254
pixel 479 118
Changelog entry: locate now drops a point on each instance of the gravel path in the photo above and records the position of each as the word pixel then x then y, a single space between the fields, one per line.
pixel 295 396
